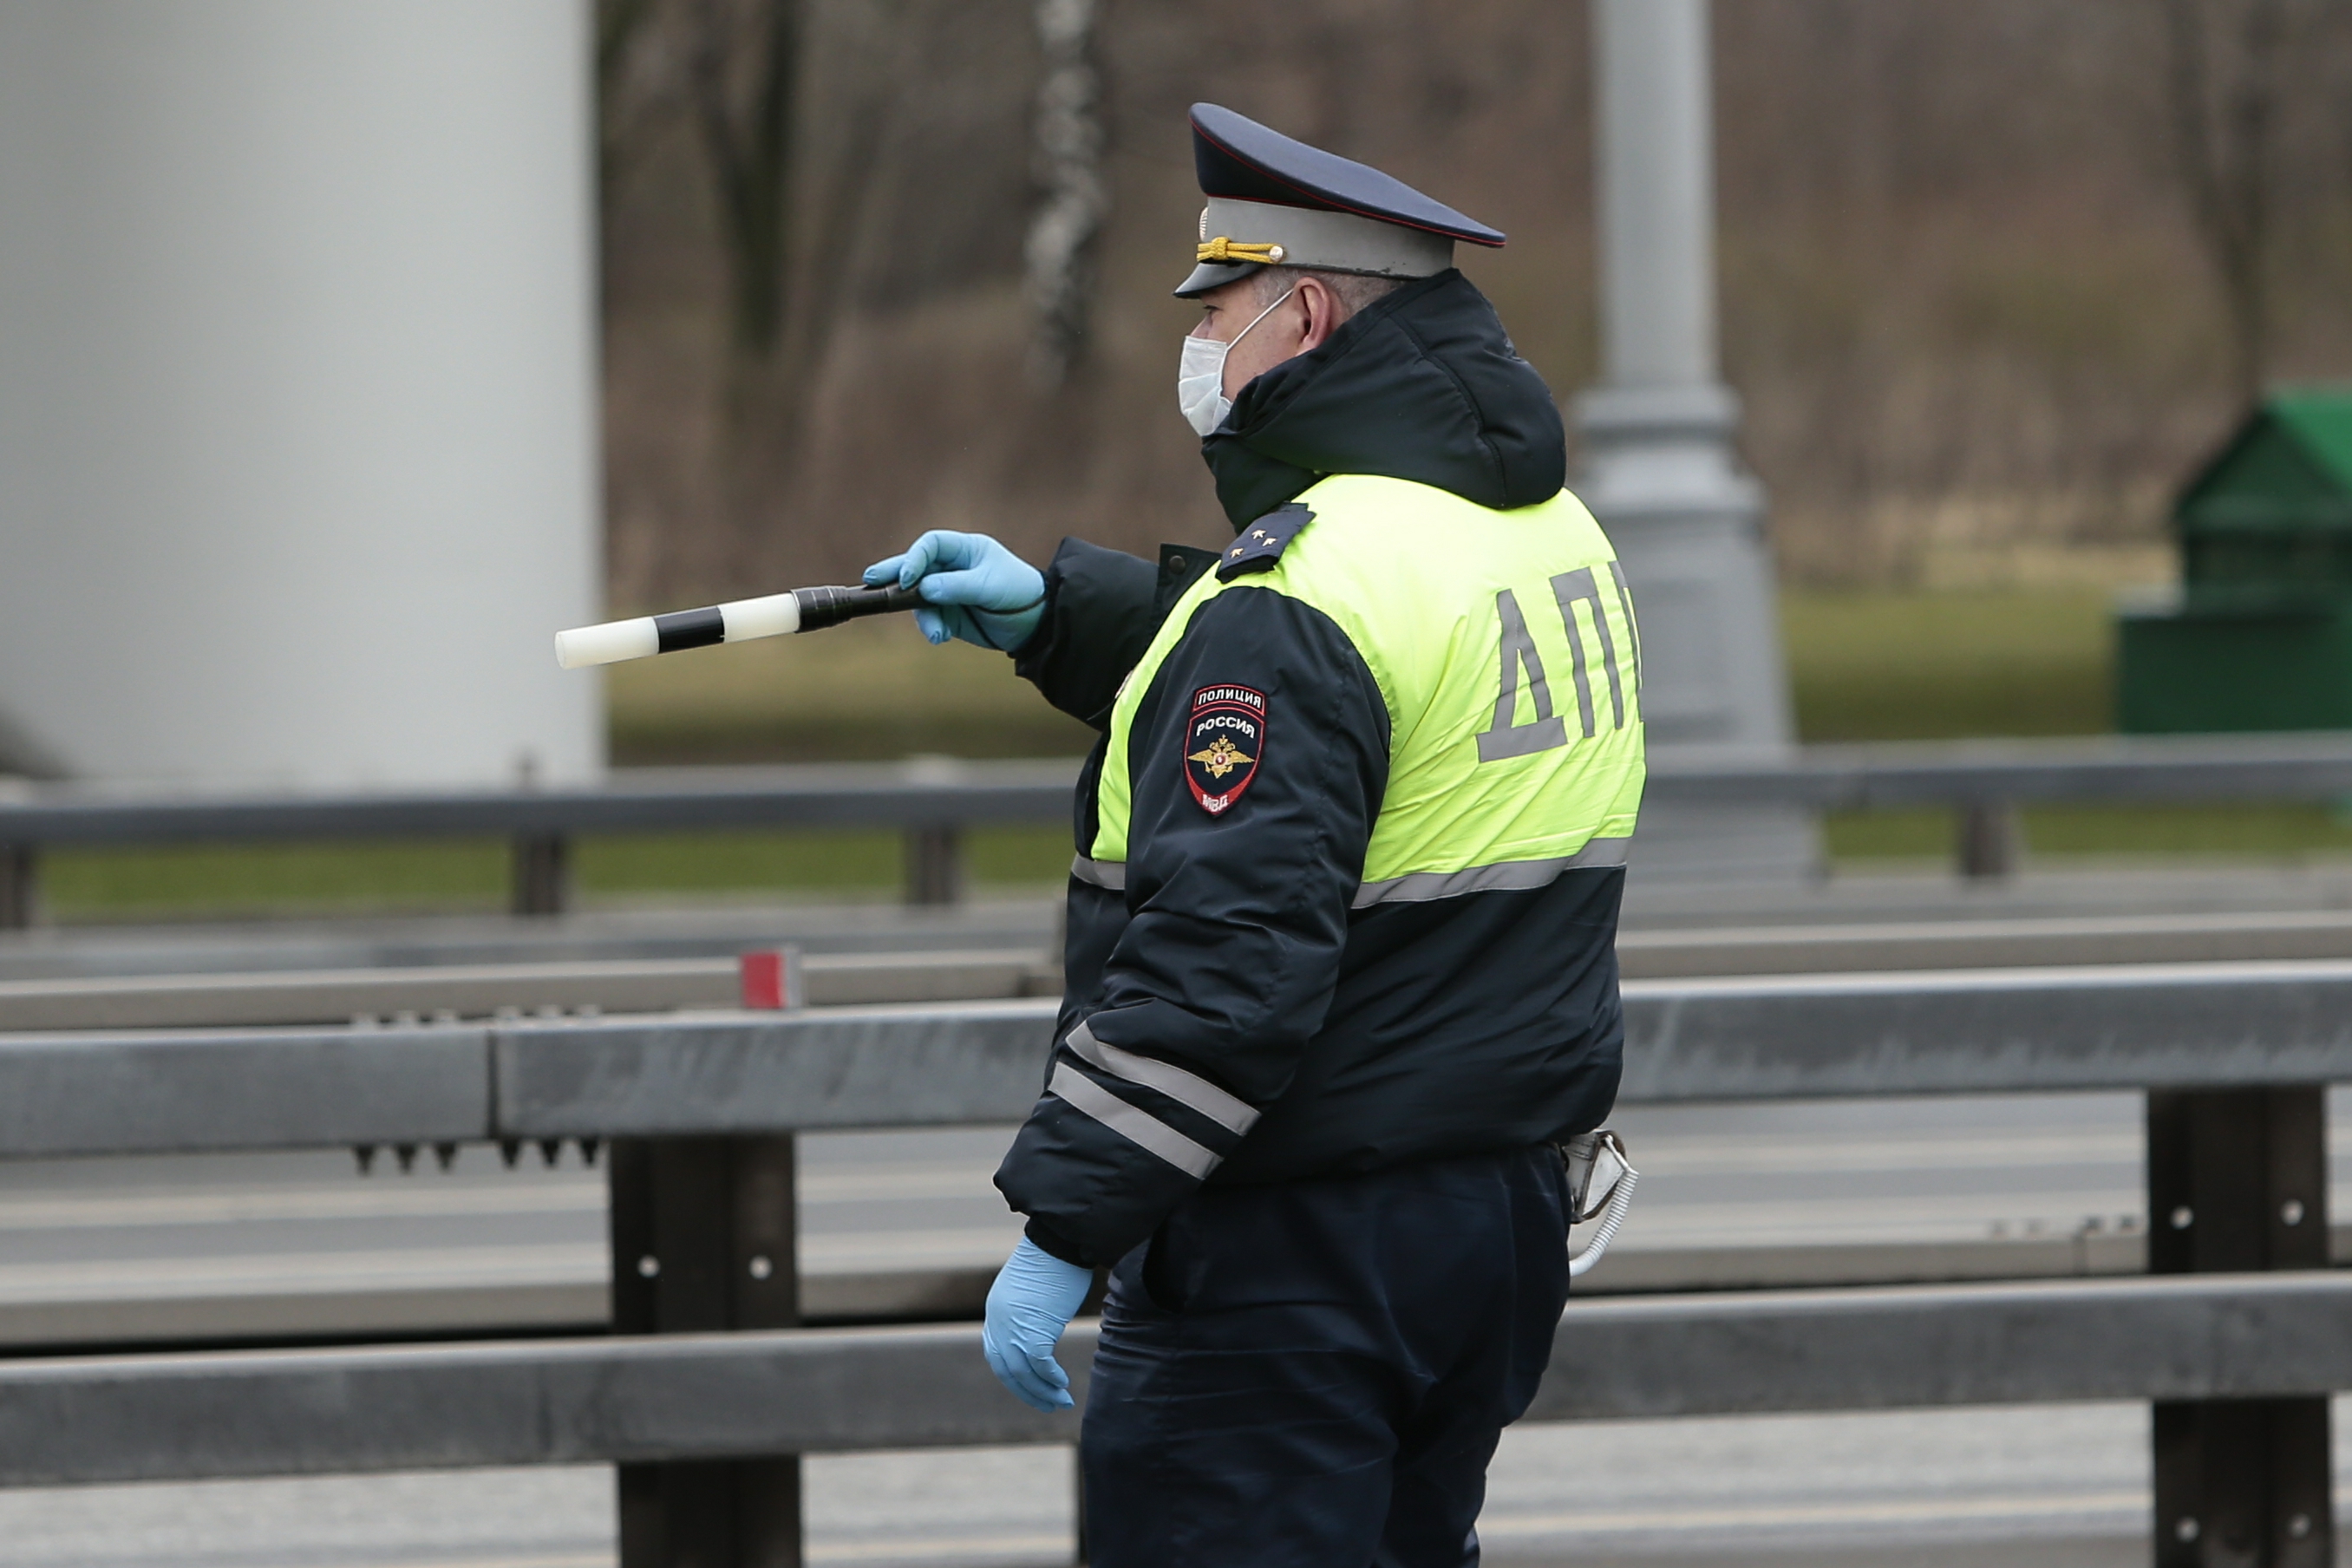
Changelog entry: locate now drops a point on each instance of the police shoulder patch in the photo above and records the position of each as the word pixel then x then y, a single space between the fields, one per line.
pixel 1257 547
pixel 1224 743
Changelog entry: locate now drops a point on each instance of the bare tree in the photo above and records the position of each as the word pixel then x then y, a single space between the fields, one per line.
pixel 2226 59
pixel 1067 163
pixel 623 27
pixel 745 60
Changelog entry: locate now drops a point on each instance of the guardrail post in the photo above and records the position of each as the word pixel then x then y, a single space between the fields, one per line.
pixel 542 873
pixel 935 865
pixel 703 1240
pixel 2237 1180
pixel 705 1237
pixel 1991 839
pixel 20 885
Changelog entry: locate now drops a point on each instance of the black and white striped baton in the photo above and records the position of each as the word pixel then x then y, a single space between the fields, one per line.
pixel 801 610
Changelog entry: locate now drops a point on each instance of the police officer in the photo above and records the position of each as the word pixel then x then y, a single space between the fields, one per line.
pixel 1340 956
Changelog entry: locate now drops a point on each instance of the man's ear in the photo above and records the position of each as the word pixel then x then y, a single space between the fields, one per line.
pixel 1324 312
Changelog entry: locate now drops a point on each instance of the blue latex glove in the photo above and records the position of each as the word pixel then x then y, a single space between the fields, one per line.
pixel 985 594
pixel 1034 1298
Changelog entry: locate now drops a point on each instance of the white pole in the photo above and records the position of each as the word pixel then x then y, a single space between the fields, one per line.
pixel 296 301
pixel 1661 470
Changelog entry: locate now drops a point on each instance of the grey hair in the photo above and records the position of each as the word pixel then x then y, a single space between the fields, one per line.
pixel 1354 290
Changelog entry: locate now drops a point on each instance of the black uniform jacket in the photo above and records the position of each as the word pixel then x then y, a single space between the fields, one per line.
pixel 1228 992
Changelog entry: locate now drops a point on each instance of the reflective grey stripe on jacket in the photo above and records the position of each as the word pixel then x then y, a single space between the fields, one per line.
pixel 1188 1089
pixel 1110 874
pixel 1133 1122
pixel 1508 877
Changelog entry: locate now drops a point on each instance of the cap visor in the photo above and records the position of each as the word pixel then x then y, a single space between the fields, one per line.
pixel 1215 275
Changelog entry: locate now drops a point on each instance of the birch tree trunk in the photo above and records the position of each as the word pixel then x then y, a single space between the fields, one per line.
pixel 1068 163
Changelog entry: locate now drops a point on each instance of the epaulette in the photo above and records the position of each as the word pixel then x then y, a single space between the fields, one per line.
pixel 1261 544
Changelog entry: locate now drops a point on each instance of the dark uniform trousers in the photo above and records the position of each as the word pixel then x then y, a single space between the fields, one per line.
pixel 1313 1375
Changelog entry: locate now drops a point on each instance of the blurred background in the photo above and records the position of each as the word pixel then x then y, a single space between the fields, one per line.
pixel 349 348
pixel 1995 280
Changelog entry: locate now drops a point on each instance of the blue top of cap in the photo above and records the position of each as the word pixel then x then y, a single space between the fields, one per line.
pixel 1240 159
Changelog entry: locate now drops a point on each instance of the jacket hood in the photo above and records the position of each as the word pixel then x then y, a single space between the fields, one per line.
pixel 1420 385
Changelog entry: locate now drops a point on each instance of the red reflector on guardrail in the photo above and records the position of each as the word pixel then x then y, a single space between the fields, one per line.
pixel 771 979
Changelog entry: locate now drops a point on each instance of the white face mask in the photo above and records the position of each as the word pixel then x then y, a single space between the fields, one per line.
pixel 1200 377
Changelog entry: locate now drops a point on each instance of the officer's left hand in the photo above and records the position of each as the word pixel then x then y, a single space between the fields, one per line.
pixel 1034 1298
pixel 984 593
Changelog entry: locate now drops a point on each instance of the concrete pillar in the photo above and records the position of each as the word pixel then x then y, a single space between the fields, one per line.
pixel 1657 192
pixel 1660 470
pixel 297 400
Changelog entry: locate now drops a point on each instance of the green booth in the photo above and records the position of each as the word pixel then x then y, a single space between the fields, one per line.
pixel 2260 635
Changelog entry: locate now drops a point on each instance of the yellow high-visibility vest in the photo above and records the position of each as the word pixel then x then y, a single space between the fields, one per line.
pixel 1506 651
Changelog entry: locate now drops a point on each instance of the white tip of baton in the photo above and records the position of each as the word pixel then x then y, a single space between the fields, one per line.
pixel 607 644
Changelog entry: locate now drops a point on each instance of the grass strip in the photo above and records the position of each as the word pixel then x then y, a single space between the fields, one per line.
pixel 470 875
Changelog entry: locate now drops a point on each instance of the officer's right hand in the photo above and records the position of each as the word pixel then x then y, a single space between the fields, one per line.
pixel 985 594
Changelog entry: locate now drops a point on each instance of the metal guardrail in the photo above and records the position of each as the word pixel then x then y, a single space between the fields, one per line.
pixel 581 1304
pixel 2124 1027
pixel 696 1397
pixel 1985 782
pixel 932 801
pixel 699 1111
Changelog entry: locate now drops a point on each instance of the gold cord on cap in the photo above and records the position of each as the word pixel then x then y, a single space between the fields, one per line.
pixel 1223 249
